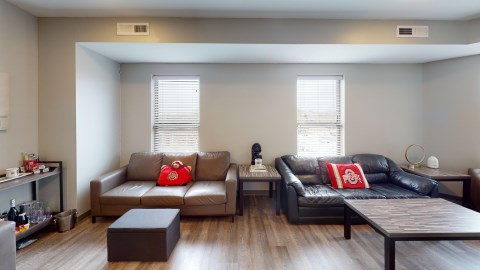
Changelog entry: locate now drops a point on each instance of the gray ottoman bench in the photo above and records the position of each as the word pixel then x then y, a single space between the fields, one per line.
pixel 143 235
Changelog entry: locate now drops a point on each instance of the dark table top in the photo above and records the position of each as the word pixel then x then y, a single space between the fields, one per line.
pixel 437 174
pixel 245 174
pixel 418 218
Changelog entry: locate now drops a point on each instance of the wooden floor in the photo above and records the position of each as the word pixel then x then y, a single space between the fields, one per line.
pixel 258 240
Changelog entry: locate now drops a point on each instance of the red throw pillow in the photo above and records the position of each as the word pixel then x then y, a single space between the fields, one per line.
pixel 175 175
pixel 347 175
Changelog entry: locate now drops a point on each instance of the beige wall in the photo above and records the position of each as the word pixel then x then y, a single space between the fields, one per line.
pixel 246 103
pixel 18 58
pixel 451 115
pixel 57 86
pixel 474 31
pixel 256 31
pixel 98 120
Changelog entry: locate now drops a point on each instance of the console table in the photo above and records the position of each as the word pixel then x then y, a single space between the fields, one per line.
pixel 271 175
pixel 55 170
pixel 445 176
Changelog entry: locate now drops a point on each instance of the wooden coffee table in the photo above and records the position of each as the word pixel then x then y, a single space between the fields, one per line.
pixel 271 176
pixel 414 220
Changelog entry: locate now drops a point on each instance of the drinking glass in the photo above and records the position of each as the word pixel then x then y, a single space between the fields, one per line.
pixel 47 213
pixel 38 215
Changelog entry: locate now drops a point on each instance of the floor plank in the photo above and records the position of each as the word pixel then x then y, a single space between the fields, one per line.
pixel 257 240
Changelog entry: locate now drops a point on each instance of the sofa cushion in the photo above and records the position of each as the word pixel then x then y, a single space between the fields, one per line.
pixel 188 159
pixel 322 166
pixel 360 194
pixel 310 179
pixel 128 193
pixel 392 191
pixel 206 193
pixel 377 178
pixel 165 196
pixel 301 165
pixel 305 168
pixel 372 163
pixel 347 176
pixel 320 196
pixel 212 166
pixel 144 166
pixel 375 167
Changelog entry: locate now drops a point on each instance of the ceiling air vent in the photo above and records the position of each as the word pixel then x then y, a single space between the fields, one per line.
pixel 412 31
pixel 133 29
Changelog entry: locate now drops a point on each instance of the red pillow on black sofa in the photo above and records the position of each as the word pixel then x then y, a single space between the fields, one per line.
pixel 175 175
pixel 347 175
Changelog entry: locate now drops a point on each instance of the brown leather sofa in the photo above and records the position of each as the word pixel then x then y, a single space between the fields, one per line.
pixel 212 192
pixel 7 245
pixel 475 188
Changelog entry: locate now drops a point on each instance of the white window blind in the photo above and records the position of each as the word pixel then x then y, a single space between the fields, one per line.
pixel 320 117
pixel 176 113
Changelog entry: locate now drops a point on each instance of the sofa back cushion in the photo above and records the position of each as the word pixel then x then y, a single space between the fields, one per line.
pixel 212 166
pixel 375 167
pixel 305 168
pixel 301 165
pixel 322 166
pixel 144 166
pixel 188 159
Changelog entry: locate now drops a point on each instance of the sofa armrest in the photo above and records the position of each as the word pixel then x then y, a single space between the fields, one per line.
pixel 7 245
pixel 288 177
pixel 104 183
pixel 231 187
pixel 422 185
pixel 475 187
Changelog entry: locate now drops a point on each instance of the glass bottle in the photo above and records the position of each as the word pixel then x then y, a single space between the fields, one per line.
pixel 13 212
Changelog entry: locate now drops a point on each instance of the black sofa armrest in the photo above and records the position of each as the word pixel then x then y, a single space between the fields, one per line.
pixel 288 177
pixel 422 185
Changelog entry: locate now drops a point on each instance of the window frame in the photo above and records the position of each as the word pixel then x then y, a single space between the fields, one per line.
pixel 188 127
pixel 323 125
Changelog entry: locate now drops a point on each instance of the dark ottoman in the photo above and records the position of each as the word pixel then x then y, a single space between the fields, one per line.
pixel 144 235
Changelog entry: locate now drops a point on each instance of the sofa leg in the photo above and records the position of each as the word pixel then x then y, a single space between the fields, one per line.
pixel 233 218
pixel 94 219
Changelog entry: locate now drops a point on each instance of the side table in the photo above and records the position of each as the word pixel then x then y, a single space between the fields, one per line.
pixel 447 176
pixel 271 176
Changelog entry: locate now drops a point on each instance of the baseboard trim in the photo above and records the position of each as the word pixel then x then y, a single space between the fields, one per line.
pixel 84 215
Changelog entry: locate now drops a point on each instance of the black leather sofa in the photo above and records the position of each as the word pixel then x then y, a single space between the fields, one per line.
pixel 307 195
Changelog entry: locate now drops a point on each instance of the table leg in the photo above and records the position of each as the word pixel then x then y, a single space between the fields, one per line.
pixel 466 193
pixel 389 254
pixel 270 189
pixel 277 201
pixel 240 198
pixel 34 190
pixel 347 222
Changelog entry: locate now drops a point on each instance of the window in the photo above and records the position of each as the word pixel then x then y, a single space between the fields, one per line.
pixel 176 113
pixel 320 117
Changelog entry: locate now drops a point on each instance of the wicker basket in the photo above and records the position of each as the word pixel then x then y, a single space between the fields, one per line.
pixel 66 220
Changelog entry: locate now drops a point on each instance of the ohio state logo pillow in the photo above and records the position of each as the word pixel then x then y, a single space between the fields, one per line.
pixel 347 175
pixel 175 175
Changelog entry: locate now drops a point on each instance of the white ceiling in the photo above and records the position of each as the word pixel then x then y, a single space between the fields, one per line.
pixel 278 53
pixel 326 9
pixel 267 53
